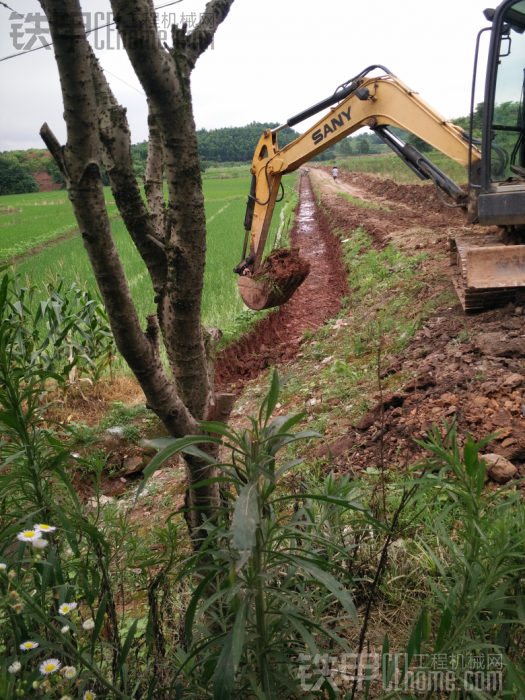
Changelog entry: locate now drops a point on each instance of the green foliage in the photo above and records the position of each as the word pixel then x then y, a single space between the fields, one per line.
pixel 14 178
pixel 237 143
pixel 66 333
pixel 274 582
pixel 363 147
pixel 53 170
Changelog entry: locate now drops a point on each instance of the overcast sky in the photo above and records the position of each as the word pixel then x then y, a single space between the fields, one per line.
pixel 271 59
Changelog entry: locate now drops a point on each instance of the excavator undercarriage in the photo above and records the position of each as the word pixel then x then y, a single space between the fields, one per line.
pixel 488 270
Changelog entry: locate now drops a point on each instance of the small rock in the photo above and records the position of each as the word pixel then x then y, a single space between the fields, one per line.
pixel 502 434
pixel 157 473
pixel 481 401
pixel 513 380
pixel 102 500
pixel 499 469
pixel 499 345
pixel 115 430
pixel 511 324
pixel 518 310
pixel 367 421
pixel 133 464
pixel 451 410
pixel 124 481
pixel 508 442
pixel 489 387
pixel 501 418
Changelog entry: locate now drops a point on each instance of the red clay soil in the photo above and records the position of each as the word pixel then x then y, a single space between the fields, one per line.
pixel 46 183
pixel 277 338
pixel 282 264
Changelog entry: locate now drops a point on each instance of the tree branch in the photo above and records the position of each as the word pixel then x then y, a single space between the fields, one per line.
pixel 191 46
pixel 116 155
pixel 81 158
pixel 153 183
pixel 165 80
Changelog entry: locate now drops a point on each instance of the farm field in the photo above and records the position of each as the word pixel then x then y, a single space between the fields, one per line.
pixel 29 220
pixel 225 202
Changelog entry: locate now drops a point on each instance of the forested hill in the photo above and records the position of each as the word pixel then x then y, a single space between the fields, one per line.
pixel 234 144
pixel 237 143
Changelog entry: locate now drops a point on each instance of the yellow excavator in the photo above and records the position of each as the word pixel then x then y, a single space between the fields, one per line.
pixel 488 269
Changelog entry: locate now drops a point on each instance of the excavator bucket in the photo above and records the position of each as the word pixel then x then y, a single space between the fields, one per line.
pixel 498 266
pixel 488 274
pixel 281 274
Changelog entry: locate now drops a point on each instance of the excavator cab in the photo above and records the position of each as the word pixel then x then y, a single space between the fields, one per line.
pixel 490 269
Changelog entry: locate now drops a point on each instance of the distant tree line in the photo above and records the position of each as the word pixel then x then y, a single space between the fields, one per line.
pixel 236 144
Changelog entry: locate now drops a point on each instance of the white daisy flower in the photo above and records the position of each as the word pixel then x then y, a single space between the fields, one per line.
pixel 28 645
pixel 65 629
pixel 3 566
pixel 65 697
pixel 88 695
pixel 88 624
pixel 69 672
pixel 49 666
pixel 15 667
pixel 29 535
pixel 42 527
pixel 66 608
pixel 39 544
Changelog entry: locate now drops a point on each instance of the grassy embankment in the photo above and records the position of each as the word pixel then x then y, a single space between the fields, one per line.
pixel 393 168
pixel 33 223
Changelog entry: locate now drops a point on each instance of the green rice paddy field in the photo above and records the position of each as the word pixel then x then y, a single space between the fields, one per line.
pixel 27 221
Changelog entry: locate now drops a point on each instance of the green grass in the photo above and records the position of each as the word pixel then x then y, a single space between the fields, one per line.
pixel 393 168
pixel 218 172
pixel 29 220
pixel 360 202
pixel 225 205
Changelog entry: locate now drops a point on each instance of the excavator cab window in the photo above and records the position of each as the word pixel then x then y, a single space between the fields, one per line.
pixel 508 120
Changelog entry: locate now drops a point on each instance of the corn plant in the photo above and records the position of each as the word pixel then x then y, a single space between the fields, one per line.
pixel 67 333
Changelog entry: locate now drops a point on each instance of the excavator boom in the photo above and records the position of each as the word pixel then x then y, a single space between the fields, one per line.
pixel 489 269
pixel 377 102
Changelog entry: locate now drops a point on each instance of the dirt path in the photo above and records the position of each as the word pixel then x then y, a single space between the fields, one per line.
pixel 277 338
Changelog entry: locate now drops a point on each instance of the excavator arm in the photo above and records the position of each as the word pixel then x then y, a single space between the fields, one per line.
pixel 377 103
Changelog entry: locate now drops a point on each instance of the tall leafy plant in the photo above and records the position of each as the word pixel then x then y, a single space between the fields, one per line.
pixel 269 585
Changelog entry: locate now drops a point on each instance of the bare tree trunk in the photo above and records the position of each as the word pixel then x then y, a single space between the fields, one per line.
pixel 172 243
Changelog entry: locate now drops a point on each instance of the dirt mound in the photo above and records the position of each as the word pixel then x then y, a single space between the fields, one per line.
pixel 282 264
pixel 278 337
pixel 281 274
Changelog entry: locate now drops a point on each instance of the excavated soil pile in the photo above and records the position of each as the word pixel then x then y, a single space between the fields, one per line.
pixel 397 207
pixel 479 382
pixel 280 275
pixel 278 337
pixel 467 368
pixel 283 265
